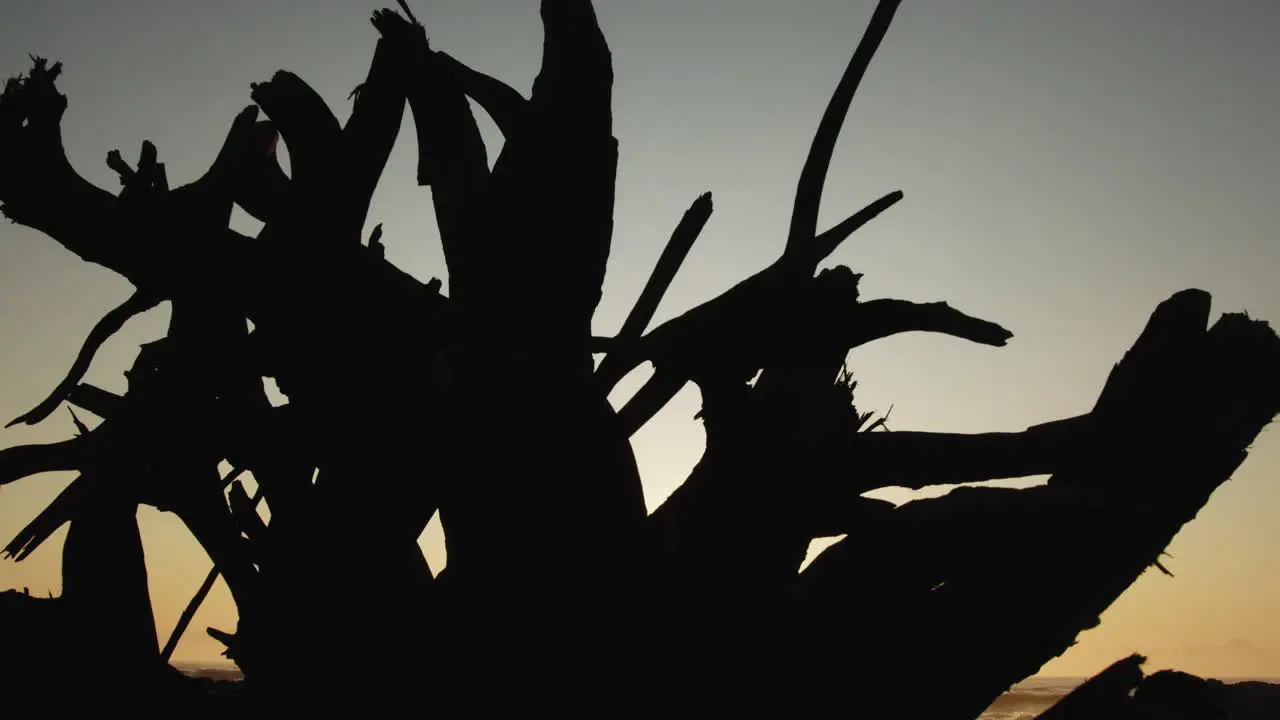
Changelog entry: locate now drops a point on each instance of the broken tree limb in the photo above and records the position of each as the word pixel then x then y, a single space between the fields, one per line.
pixel 369 135
pixel 946 562
pixel 735 314
pixel 574 86
pixel 117 163
pixel 23 461
pixel 673 255
pixel 876 319
pixel 109 325
pixel 555 179
pixel 81 428
pixel 214 528
pixel 188 613
pixel 51 197
pixel 100 402
pixel 69 503
pixel 263 188
pixel 305 123
pixel 38 186
pixel 687 346
pixel 193 605
pixel 452 159
pixel 920 459
pixel 147 182
pixel 508 109
pixel 730 338
pixel 245 171
pixel 244 510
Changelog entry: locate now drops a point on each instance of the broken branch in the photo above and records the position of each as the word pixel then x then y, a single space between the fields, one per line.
pixel 138 303
pixel 23 461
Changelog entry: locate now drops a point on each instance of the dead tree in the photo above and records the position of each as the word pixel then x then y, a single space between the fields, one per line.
pixel 562 593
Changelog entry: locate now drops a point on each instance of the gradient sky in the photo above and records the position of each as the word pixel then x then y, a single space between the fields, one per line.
pixel 1066 166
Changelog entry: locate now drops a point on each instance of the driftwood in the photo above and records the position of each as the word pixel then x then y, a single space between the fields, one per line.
pixel 562 593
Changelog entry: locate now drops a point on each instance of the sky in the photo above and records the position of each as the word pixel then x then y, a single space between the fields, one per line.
pixel 1066 166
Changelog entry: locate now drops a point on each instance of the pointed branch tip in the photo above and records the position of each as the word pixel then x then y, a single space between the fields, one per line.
pixel 408 13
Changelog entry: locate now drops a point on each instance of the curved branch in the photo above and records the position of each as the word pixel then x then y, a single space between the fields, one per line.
pixel 109 325
pixel 876 319
pixel 804 213
pixel 304 120
pixel 246 171
pixel 41 190
pixel 554 181
pixel 263 187
pixel 506 106
pixel 234 148
pixel 451 154
pixel 244 166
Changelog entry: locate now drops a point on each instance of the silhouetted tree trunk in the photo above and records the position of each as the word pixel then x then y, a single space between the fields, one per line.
pixel 486 406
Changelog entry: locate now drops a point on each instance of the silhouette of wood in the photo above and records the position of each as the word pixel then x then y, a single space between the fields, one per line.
pixel 562 593
pixel 188 614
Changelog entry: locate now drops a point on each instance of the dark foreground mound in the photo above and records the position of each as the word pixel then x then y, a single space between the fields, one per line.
pixel 1123 692
pixel 51 663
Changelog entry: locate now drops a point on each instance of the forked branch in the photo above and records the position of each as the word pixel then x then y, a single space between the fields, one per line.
pixel 804 214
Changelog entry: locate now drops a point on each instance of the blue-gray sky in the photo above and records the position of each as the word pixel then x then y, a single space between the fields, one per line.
pixel 1066 166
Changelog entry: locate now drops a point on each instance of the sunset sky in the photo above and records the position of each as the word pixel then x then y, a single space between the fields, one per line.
pixel 1066 167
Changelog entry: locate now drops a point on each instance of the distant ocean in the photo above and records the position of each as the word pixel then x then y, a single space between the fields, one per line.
pixel 1029 698
pixel 205 670
pixel 1026 700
